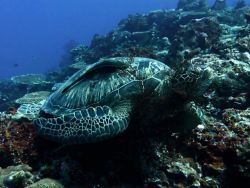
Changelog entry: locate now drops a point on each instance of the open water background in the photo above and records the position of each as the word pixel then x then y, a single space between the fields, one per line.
pixel 34 34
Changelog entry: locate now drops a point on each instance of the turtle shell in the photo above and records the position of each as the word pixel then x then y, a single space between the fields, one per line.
pixel 105 83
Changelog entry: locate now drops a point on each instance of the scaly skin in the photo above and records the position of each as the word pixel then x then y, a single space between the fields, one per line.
pixel 89 125
pixel 96 102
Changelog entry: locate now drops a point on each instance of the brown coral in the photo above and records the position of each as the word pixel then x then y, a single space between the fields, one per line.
pixel 17 139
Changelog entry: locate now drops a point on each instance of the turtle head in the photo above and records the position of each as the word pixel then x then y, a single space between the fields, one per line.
pixel 191 81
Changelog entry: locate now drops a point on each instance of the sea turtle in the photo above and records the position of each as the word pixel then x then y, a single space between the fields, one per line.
pixel 96 102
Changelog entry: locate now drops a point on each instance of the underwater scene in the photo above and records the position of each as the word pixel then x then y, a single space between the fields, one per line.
pixel 125 94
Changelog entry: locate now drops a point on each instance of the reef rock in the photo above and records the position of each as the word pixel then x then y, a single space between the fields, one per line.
pixel 78 65
pixel 240 4
pixel 188 5
pixel 16 176
pixel 191 39
pixel 219 5
pixel 46 182
pixel 34 97
pixel 30 79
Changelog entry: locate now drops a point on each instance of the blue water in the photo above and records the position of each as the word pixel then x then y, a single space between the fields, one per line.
pixel 34 32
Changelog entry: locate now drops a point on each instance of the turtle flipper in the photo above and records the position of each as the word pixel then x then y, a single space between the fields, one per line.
pixel 88 125
pixel 29 111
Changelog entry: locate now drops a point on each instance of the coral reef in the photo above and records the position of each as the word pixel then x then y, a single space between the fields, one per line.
pixel 223 147
pixel 33 82
pixel 194 38
pixel 219 5
pixel 198 139
pixel 30 79
pixel 17 144
pixel 188 5
pixel 8 93
pixel 240 4
pixel 46 182
pixel 16 176
pixel 33 97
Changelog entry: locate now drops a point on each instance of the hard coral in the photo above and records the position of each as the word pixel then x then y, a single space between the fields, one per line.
pixel 240 4
pixel 16 176
pixel 30 79
pixel 219 5
pixel 199 34
pixel 17 139
pixel 136 52
pixel 46 182
pixel 223 147
pixel 33 97
pixel 188 5
pixel 135 23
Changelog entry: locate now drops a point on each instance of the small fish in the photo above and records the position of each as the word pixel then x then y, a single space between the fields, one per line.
pixel 16 65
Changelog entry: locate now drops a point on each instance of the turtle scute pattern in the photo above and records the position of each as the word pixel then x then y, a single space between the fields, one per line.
pixel 29 111
pixel 89 125
pixel 86 88
pixel 96 102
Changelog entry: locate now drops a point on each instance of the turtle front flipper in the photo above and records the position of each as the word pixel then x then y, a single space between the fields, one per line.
pixel 29 111
pixel 89 125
